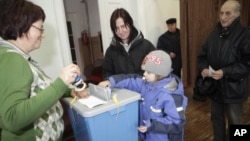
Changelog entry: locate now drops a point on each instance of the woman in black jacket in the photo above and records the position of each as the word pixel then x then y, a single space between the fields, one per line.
pixel 127 48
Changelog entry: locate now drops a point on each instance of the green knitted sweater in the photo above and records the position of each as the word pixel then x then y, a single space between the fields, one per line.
pixel 29 106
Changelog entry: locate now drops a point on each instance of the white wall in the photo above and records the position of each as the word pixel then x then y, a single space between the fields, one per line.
pixel 152 16
pixel 54 53
pixel 149 16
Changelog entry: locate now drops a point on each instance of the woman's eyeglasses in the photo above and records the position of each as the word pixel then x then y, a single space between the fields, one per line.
pixel 40 29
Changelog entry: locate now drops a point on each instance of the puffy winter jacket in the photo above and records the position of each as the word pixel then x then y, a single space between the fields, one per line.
pixel 162 105
pixel 118 61
pixel 228 49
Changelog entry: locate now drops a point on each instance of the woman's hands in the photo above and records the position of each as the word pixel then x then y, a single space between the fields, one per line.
pixel 69 73
pixel 80 94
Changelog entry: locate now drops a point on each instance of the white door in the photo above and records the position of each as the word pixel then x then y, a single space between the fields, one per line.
pixel 72 18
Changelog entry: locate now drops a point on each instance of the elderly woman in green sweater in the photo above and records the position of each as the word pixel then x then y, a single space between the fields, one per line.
pixel 30 110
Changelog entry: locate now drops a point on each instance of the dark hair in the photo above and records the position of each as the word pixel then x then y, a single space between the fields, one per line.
pixel 128 21
pixel 17 16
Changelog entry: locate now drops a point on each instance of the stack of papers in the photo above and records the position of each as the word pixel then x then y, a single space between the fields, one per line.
pixel 91 101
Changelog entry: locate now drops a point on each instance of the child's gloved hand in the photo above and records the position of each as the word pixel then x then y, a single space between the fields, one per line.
pixel 142 129
pixel 104 84
pixel 145 127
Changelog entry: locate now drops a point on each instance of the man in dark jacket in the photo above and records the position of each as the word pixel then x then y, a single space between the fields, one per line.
pixel 170 43
pixel 225 57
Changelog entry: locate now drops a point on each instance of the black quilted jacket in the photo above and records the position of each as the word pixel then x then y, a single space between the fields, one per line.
pixel 228 49
pixel 118 61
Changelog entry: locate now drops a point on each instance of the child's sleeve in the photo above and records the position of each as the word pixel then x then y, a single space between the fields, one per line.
pixel 132 82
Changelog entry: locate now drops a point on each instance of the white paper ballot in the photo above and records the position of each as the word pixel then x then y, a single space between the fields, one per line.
pixel 92 101
pixel 210 71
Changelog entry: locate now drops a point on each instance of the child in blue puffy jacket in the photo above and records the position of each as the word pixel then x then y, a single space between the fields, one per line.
pixel 162 104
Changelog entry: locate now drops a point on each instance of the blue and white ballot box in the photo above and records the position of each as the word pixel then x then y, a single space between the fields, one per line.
pixel 115 120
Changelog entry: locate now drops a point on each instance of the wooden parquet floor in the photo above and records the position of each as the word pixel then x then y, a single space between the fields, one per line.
pixel 198 126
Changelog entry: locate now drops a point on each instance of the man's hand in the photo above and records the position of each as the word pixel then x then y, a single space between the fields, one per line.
pixel 205 73
pixel 172 55
pixel 217 74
